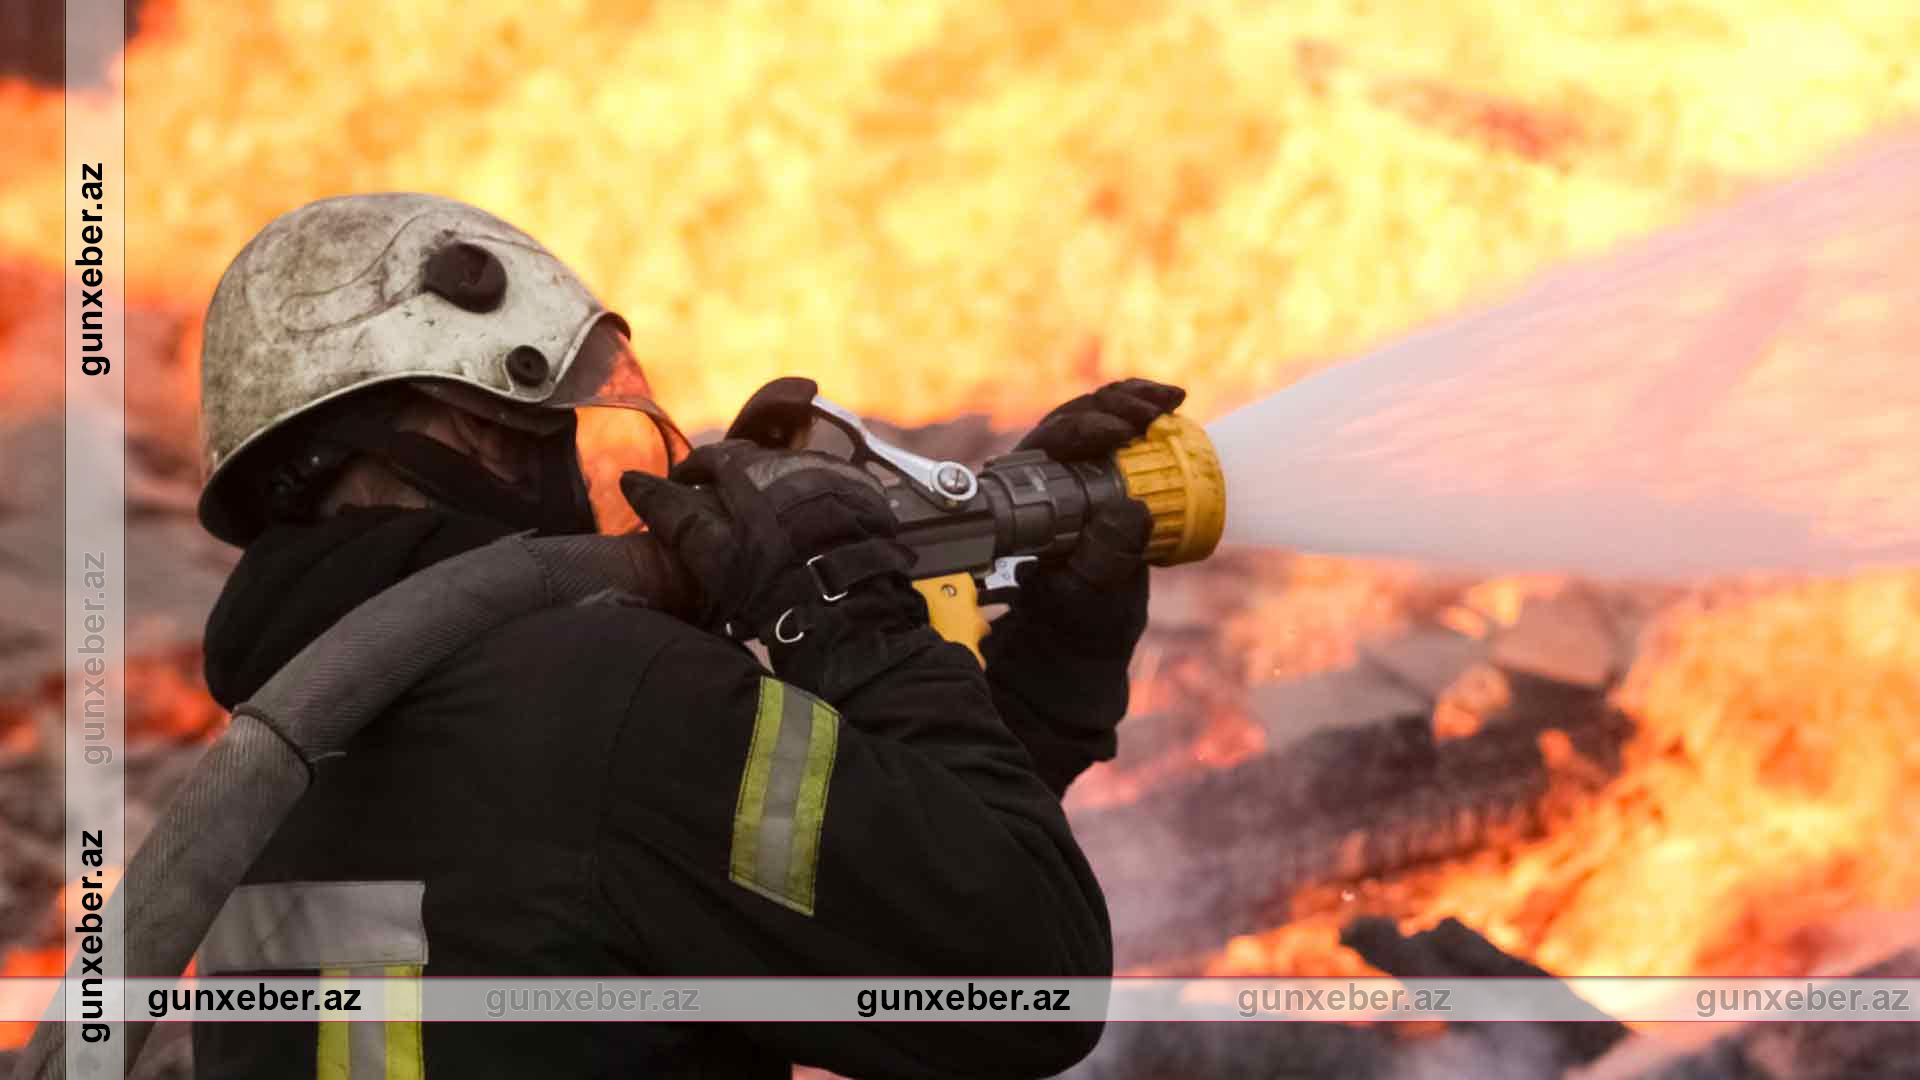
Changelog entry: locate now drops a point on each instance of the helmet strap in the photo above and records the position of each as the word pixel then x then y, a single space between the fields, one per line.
pixel 559 505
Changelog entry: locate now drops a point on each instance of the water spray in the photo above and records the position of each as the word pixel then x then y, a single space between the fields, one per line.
pixel 1740 394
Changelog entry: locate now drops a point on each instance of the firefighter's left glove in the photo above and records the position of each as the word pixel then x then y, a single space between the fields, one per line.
pixel 1057 662
pixel 792 547
pixel 1093 600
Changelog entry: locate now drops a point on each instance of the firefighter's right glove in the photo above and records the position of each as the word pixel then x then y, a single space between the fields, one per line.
pixel 795 548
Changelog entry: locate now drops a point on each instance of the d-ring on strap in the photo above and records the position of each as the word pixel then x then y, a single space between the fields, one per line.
pixel 836 572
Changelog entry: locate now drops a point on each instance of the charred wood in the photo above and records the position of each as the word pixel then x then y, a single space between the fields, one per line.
pixel 1222 852
pixel 1452 950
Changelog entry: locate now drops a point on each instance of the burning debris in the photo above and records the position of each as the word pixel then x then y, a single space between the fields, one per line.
pixel 1232 848
pixel 1762 796
pixel 1431 743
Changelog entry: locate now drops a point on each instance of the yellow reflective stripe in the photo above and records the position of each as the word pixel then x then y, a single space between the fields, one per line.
pixel 747 810
pixel 811 813
pixel 405 1058
pixel 783 796
pixel 372 1050
pixel 334 1060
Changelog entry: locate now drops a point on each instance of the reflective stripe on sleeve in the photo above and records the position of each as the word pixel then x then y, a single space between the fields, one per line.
pixel 346 929
pixel 335 1060
pixel 366 1050
pixel 783 796
pixel 302 925
pixel 405 1055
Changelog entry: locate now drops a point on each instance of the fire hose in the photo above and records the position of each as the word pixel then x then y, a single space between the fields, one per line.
pixel 229 808
pixel 968 529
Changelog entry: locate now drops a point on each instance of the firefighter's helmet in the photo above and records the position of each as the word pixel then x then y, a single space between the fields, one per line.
pixel 350 293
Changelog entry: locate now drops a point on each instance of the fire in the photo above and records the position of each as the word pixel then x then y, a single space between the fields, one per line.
pixel 908 201
pixel 167 698
pixel 1773 788
pixel 26 963
pixel 1318 616
pixel 51 960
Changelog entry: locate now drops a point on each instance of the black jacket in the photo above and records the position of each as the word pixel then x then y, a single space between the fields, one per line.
pixel 569 789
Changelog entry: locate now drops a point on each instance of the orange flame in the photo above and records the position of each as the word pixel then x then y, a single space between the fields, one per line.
pixel 166 697
pixel 1772 788
pixel 909 201
pixel 20 964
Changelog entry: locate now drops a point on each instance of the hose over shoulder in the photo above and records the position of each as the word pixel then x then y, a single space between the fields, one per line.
pixel 230 807
pixel 333 687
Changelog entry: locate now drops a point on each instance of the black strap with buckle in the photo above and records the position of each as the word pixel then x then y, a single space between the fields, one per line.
pixel 837 572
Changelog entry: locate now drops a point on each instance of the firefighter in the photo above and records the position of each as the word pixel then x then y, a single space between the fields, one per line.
pixel 390 380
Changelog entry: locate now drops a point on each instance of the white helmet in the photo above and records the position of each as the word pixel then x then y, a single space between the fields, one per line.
pixel 348 293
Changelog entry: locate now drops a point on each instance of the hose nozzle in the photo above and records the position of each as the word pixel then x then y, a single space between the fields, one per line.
pixel 1175 471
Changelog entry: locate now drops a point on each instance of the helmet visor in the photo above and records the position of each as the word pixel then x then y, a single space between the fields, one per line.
pixel 618 426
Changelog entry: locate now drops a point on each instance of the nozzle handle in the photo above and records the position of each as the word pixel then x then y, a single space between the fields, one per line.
pixel 778 415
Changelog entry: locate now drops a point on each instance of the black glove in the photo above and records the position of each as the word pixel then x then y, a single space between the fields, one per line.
pixel 1057 663
pixel 793 547
pixel 1096 597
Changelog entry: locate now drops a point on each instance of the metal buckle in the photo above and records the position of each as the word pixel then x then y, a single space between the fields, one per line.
pixel 780 635
pixel 820 583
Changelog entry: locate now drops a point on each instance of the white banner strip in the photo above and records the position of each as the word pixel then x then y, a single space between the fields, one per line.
pixel 95 369
pixel 1122 1000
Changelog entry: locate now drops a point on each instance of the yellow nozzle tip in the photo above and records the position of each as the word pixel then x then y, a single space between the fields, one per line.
pixel 1175 471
